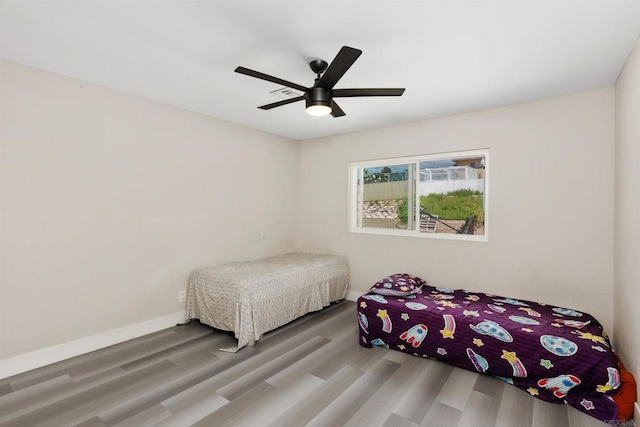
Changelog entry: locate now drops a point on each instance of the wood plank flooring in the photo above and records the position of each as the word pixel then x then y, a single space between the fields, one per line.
pixel 310 372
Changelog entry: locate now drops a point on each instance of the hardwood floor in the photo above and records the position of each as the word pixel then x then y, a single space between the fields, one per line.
pixel 310 372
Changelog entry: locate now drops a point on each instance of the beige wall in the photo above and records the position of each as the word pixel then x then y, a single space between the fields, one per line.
pixel 627 214
pixel 551 202
pixel 110 200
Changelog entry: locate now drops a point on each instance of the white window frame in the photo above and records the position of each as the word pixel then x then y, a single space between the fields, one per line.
pixel 353 195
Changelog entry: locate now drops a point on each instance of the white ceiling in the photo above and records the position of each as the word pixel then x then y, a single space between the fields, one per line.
pixel 451 56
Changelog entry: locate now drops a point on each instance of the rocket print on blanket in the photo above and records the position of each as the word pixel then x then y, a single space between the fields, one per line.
pixel 449 326
pixel 530 311
pixel 560 385
pixel 415 335
pixel 573 323
pixel 386 321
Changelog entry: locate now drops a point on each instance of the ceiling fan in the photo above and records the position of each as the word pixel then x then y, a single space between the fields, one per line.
pixel 319 97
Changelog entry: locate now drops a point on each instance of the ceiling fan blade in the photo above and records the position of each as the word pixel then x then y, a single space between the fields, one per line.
pixel 336 111
pixel 259 75
pixel 344 93
pixel 340 64
pixel 281 103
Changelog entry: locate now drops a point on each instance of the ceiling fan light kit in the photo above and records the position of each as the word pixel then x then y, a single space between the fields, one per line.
pixel 319 97
pixel 318 110
pixel 318 101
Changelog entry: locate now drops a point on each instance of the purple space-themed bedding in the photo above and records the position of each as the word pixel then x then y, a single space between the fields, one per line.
pixel 554 353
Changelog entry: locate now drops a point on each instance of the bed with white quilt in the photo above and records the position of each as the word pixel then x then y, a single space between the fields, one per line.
pixel 254 297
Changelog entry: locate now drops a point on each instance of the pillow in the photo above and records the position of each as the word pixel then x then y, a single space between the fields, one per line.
pixel 401 284
pixel 626 394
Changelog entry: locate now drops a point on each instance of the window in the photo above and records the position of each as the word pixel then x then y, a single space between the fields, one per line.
pixel 438 195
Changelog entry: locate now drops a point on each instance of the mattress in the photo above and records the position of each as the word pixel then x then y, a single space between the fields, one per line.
pixel 254 297
pixel 554 353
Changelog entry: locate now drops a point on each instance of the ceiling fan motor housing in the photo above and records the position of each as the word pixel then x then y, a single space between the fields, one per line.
pixel 318 96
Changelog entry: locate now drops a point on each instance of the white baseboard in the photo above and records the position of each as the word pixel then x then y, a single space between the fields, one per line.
pixel 36 359
pixel 353 295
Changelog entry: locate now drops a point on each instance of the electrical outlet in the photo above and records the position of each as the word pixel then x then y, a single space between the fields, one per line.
pixel 182 296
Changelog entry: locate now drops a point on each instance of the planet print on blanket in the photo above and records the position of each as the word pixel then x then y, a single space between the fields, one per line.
pixel 524 320
pixel 567 312
pixel 491 328
pixel 415 306
pixel 497 308
pixel 364 322
pixel 376 298
pixel 511 301
pixel 479 362
pixel 558 345
pixel 379 343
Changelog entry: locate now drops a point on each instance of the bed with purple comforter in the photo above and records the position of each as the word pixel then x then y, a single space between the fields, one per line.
pixel 554 353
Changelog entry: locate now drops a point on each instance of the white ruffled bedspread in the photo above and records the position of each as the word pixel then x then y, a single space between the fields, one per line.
pixel 254 297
